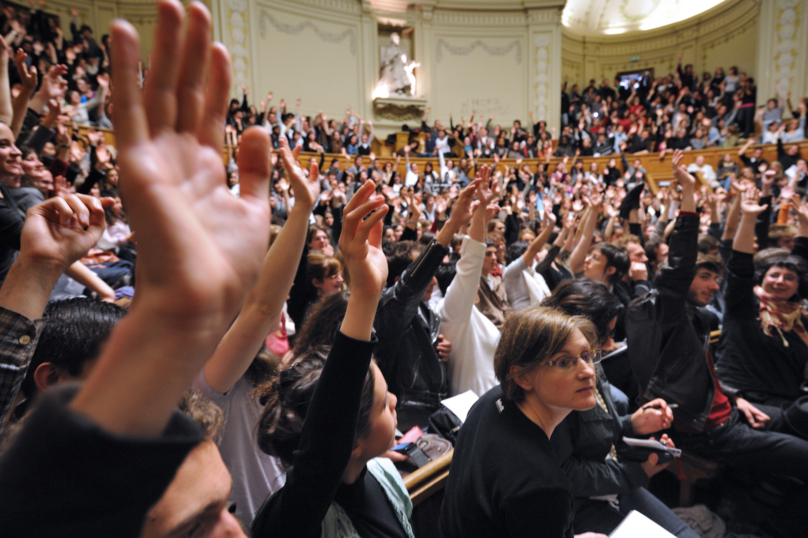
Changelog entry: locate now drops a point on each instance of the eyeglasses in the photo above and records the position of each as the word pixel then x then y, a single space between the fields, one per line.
pixel 569 363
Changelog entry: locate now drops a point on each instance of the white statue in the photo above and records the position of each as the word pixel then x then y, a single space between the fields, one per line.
pixel 396 69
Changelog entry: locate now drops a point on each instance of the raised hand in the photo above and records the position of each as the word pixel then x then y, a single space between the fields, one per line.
pixel 685 179
pixel 306 188
pixel 361 241
pixel 463 208
pixel 200 248
pixel 767 181
pixel 29 77
pixel 750 203
pixel 60 231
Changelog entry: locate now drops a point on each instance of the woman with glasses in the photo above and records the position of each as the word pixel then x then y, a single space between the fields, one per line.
pixel 505 480
pixel 607 486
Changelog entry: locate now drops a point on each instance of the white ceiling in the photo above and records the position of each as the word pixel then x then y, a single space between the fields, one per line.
pixel 611 17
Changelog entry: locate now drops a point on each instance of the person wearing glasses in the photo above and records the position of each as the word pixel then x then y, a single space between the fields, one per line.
pixel 505 480
pixel 607 486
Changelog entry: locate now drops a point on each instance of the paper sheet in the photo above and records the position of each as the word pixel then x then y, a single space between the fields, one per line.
pixel 636 525
pixel 460 404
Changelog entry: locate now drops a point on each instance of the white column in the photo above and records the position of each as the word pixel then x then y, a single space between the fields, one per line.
pixel 544 42
pixel 782 55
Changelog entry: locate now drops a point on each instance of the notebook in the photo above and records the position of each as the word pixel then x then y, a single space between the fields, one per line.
pixel 636 525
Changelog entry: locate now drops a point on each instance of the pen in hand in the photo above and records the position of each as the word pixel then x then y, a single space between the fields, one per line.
pixel 657 406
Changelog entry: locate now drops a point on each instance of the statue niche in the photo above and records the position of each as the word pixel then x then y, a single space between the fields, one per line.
pixel 396 72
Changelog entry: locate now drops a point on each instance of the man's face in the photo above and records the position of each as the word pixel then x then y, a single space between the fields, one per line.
pixel 636 253
pixel 704 285
pixel 431 288
pixel 490 260
pixel 195 503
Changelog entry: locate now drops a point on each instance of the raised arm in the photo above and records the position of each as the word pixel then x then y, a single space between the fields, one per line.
pixel 750 208
pixel 459 299
pixel 263 305
pixel 319 468
pixel 537 244
pixel 56 234
pixel 29 82
pixel 6 112
pixel 582 248
pixel 199 249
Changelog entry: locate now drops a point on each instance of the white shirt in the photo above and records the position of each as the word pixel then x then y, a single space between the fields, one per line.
pixel 705 170
pixel 474 338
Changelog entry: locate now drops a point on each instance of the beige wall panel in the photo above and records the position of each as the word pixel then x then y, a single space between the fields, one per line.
pixel 486 74
pixel 316 59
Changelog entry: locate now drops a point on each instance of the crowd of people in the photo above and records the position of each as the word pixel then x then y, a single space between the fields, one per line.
pixel 293 318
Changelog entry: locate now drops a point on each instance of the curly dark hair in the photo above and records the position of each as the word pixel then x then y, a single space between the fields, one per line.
pixel 286 399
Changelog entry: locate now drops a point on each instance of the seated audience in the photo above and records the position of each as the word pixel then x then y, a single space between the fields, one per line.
pixel 504 466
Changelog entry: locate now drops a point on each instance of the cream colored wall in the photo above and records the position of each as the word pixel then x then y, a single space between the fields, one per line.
pixel 327 53
pixel 723 36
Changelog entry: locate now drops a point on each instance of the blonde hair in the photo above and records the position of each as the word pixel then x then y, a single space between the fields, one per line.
pixel 530 337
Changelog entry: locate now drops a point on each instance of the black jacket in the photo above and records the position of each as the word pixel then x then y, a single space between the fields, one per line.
pixel 582 443
pixel 408 331
pixel 667 341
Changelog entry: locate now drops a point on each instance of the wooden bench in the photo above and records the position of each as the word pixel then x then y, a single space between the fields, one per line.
pixel 425 487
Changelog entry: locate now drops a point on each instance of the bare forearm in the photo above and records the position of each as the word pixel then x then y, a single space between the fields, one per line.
pixel 6 110
pixel 537 244
pixel 83 275
pixel 28 286
pixel 19 108
pixel 745 237
pixel 263 305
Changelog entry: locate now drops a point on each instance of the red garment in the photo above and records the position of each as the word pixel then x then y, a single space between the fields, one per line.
pixel 719 412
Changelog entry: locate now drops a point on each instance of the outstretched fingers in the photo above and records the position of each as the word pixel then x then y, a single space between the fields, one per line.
pixel 216 98
pixel 160 90
pixel 253 164
pixel 193 68
pixel 131 127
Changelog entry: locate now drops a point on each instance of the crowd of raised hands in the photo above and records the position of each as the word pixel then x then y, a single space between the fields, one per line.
pixel 288 318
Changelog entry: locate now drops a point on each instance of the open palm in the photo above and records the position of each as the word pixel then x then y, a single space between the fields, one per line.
pixel 201 248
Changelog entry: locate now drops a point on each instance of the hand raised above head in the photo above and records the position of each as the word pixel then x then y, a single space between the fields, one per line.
pixel 306 188
pixel 61 230
pixel 199 248
pixel 361 241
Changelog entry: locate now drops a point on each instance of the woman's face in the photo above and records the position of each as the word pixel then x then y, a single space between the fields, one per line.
pixel 572 389
pixel 329 285
pixel 780 282
pixel 32 166
pixel 596 266
pixel 10 158
pixel 383 420
pixel 117 207
pixel 390 234
pixel 319 241
pixel 329 219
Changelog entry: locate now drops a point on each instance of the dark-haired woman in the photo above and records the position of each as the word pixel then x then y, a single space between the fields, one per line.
pixel 605 486
pixel 763 350
pixel 333 433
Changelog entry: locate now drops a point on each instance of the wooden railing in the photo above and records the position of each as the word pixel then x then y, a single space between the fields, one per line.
pixel 659 169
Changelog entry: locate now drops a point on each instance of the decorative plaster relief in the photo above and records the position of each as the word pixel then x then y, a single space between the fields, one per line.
pixel 469 18
pixel 542 75
pixel 236 13
pixel 296 29
pixel 787 17
pixel 464 51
